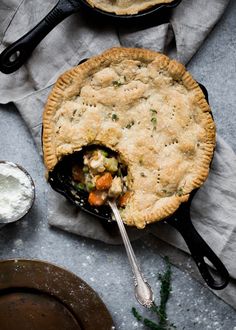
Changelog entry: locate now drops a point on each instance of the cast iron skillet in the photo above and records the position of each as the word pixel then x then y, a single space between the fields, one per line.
pixel 180 220
pixel 14 56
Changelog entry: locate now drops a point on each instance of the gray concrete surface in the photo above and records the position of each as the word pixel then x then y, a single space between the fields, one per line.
pixel 105 268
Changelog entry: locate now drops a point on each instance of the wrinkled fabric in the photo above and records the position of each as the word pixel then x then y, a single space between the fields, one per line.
pixel 78 37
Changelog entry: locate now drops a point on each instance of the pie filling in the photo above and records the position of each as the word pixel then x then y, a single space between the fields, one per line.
pixel 102 175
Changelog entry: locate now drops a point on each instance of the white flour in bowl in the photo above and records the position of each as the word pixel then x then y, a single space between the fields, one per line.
pixel 16 192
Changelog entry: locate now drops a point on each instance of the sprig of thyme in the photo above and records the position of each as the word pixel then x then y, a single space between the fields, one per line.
pixel 164 292
pixel 160 310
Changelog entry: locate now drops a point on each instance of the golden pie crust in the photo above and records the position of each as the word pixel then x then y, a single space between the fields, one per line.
pixel 147 108
pixel 126 7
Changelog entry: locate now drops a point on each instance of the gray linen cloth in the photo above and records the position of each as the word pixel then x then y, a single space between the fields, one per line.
pixel 77 38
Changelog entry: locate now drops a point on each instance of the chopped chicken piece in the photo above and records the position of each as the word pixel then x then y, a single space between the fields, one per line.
pixel 116 187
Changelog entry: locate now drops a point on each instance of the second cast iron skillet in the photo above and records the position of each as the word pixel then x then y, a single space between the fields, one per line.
pixel 180 220
pixel 14 56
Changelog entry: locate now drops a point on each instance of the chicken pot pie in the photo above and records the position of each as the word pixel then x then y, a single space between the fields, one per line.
pixel 147 109
pixel 126 7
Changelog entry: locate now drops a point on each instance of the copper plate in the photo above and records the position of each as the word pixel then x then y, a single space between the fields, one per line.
pixel 36 295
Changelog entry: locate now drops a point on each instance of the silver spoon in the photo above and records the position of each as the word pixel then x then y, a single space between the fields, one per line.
pixel 143 291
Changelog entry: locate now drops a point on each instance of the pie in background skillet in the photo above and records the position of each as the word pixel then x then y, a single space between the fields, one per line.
pixel 126 7
pixel 148 109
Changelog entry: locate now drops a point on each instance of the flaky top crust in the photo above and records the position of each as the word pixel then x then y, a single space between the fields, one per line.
pixel 147 108
pixel 126 7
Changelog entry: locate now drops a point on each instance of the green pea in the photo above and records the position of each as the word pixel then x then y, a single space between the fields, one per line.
pixel 104 153
pixel 90 186
pixel 85 169
pixel 79 186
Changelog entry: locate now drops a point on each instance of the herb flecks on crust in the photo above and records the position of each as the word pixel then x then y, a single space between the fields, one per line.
pixel 157 120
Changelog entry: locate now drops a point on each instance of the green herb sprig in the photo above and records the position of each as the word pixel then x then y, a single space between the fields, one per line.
pixel 160 310
pixel 164 292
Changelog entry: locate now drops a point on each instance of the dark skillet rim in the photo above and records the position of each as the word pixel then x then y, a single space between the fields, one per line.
pixel 142 14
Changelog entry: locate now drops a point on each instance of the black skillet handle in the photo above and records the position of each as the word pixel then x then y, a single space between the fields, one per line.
pixel 14 56
pixel 200 250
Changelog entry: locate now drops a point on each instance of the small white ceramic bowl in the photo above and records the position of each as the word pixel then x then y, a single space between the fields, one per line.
pixel 31 199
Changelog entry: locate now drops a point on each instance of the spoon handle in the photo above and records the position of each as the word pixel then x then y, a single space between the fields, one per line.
pixel 143 291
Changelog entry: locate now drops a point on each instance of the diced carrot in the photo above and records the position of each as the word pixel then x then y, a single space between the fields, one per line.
pixel 124 198
pixel 104 182
pixel 77 173
pixel 96 198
